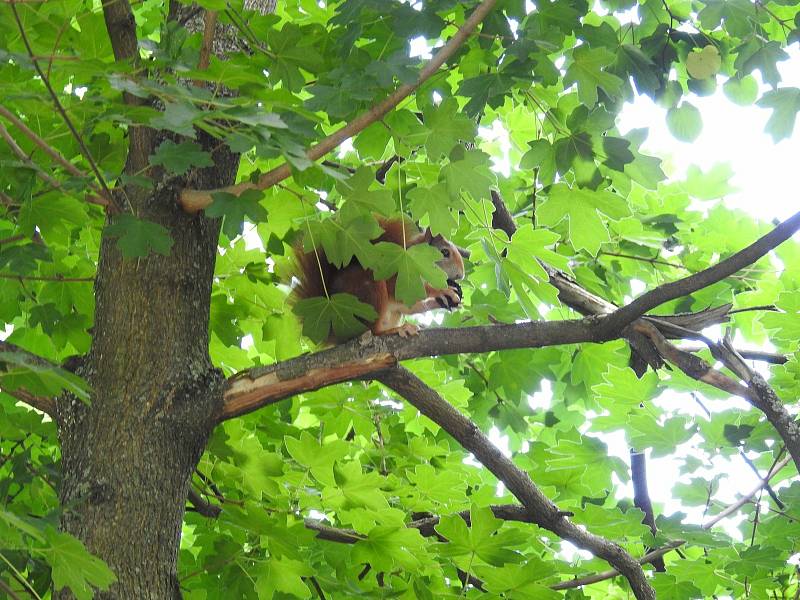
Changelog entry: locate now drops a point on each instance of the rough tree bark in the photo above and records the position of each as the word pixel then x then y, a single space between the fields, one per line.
pixel 128 457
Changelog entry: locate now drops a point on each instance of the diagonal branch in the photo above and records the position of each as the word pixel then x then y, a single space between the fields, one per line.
pixel 757 391
pixel 60 107
pixel 748 496
pixel 48 149
pixel 543 512
pixel 761 395
pixel 650 557
pixel 40 172
pixel 702 279
pixel 195 200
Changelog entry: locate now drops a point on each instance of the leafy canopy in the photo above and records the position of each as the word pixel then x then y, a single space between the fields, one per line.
pixel 553 75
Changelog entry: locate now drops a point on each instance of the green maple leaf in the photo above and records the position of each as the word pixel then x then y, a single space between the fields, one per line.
pixel 469 171
pixel 623 391
pixel 178 118
pixel 528 244
pixel 317 457
pixel 354 488
pixel 756 55
pixel 388 547
pixel 179 158
pixel 482 538
pixel 413 267
pixel 284 575
pixel 137 237
pixel 356 190
pixel 74 567
pixel 644 170
pixel 784 102
pixel 583 208
pixel 235 209
pixel 342 313
pixel 437 203
pixel 447 127
pixel 662 438
pixel 347 236
pixel 587 71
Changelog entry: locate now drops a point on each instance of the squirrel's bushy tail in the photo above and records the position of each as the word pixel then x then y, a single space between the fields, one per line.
pixel 311 276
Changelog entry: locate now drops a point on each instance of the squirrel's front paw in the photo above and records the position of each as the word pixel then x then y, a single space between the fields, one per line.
pixel 451 297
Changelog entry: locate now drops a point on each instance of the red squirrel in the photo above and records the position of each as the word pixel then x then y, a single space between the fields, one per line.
pixel 361 283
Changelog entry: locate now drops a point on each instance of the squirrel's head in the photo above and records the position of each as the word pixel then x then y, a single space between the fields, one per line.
pixel 452 261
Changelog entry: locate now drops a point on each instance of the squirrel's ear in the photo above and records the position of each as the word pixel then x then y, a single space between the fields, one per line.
pixel 427 236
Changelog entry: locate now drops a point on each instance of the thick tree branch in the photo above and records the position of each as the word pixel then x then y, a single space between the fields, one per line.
pixel 195 200
pixel 121 26
pixel 771 358
pixel 42 403
pixel 757 391
pixel 369 354
pixel 361 357
pixel 702 279
pixel 543 512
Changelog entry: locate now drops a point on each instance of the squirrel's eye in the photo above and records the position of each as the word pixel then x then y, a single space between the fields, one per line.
pixel 445 252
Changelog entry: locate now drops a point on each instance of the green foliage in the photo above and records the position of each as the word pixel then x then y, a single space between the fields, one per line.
pixel 236 209
pixel 137 237
pixel 341 314
pixel 585 197
pixel 179 158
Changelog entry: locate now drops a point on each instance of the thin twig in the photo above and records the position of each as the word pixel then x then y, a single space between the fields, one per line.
pixel 610 574
pixel 48 149
pixel 748 496
pixel 196 200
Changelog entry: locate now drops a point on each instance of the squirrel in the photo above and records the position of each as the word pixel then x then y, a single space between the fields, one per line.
pixel 361 283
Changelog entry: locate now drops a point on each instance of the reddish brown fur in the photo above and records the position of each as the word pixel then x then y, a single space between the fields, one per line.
pixel 360 282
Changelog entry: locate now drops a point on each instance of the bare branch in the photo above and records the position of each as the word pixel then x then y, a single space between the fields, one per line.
pixel 40 172
pixel 693 366
pixel 702 279
pixel 203 506
pixel 195 200
pixel 46 405
pixel 761 395
pixel 543 512
pixel 4 587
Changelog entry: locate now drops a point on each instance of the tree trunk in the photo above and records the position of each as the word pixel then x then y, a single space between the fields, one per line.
pixel 127 459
